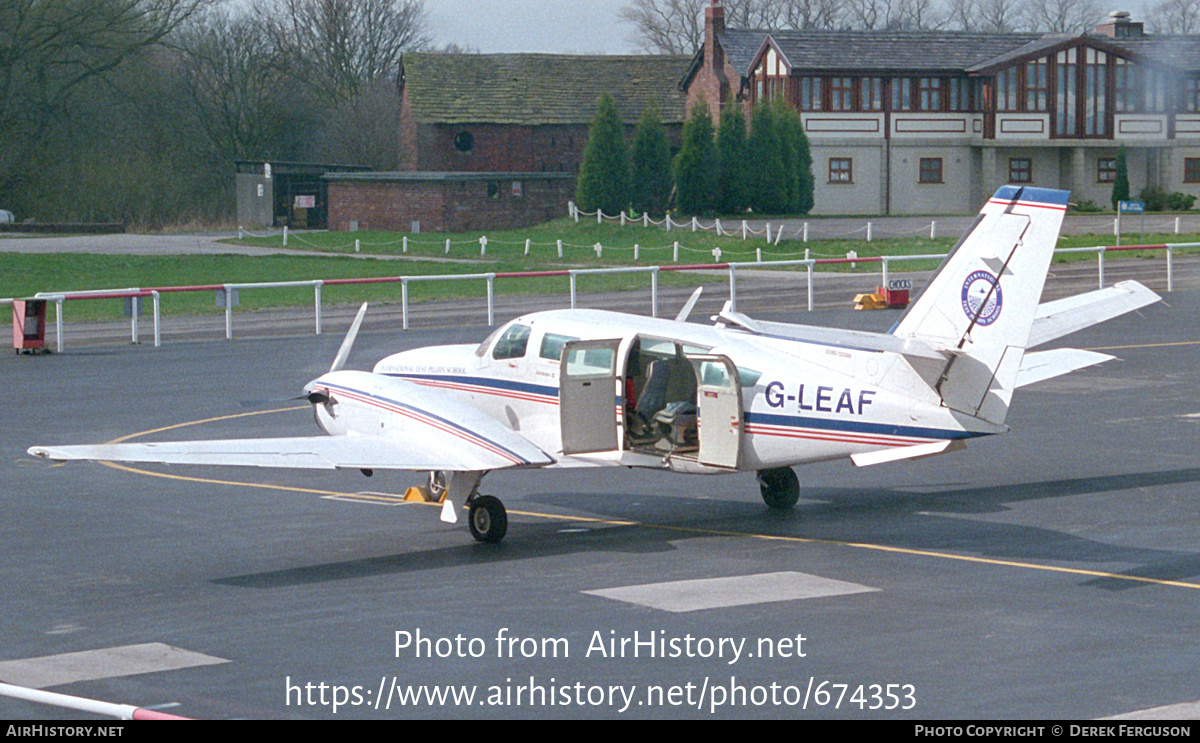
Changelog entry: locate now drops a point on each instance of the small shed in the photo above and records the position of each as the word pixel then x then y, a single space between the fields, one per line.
pixel 275 194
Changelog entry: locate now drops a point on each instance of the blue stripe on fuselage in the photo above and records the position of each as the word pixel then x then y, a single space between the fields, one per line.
pixel 882 429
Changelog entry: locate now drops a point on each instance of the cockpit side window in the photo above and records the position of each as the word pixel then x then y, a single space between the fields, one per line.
pixel 487 342
pixel 512 344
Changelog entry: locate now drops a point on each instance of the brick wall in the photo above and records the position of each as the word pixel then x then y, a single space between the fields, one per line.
pixel 447 202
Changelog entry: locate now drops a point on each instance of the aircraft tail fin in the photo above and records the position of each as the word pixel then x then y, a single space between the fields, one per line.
pixel 979 307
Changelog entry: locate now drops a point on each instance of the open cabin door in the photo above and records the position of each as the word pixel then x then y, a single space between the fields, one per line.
pixel 587 396
pixel 719 410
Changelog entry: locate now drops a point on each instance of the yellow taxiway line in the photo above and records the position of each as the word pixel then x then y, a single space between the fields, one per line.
pixel 613 522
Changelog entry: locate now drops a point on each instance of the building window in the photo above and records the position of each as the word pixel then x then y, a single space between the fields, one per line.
pixel 871 94
pixel 1124 86
pixel 810 94
pixel 841 94
pixel 1020 170
pixel 771 77
pixel 930 93
pixel 1037 84
pixel 1095 94
pixel 960 94
pixel 1065 92
pixel 901 94
pixel 931 170
pixel 1106 170
pixel 464 141
pixel 841 170
pixel 1191 170
pixel 1007 98
pixel 1192 104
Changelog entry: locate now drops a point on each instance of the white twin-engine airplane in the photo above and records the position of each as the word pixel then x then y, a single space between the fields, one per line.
pixel 586 388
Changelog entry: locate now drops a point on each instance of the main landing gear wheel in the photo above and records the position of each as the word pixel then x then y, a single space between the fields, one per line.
pixel 780 487
pixel 488 519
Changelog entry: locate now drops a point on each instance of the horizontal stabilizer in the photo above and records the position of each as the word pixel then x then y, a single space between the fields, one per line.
pixel 1065 316
pixel 1041 365
pixel 898 453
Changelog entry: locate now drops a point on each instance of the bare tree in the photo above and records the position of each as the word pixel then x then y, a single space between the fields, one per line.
pixel 1174 17
pixel 667 26
pixel 811 14
pixel 1063 16
pixel 341 47
pixel 240 96
pixel 893 14
pixel 49 49
pixel 989 16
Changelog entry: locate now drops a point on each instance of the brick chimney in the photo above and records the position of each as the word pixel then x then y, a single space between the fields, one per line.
pixel 714 23
pixel 1119 26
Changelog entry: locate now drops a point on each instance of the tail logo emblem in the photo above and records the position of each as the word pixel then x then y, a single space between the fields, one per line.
pixel 977 292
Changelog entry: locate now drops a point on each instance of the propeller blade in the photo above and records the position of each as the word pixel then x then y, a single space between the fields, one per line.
pixel 343 352
pixel 687 307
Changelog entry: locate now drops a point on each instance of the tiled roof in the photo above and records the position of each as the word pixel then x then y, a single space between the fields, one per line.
pixel 893 50
pixel 1182 52
pixel 932 51
pixel 540 88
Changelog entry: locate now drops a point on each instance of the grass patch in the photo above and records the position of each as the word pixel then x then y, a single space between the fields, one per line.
pixel 26 274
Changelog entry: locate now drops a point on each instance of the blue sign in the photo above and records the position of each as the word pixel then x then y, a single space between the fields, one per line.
pixel 1131 207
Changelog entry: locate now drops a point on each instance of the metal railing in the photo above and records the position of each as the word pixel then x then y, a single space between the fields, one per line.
pixel 732 268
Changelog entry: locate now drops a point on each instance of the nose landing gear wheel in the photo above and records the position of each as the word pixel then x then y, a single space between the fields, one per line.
pixel 488 519
pixel 780 487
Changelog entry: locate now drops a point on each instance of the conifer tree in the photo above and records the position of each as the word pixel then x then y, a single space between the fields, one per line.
pixel 651 187
pixel 733 186
pixel 696 164
pixel 604 173
pixel 798 158
pixel 768 179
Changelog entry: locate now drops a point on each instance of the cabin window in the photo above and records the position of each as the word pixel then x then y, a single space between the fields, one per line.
pixel 590 362
pixel 552 346
pixel 748 377
pixel 512 344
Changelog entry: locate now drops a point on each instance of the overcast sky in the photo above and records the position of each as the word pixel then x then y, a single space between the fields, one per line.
pixel 551 26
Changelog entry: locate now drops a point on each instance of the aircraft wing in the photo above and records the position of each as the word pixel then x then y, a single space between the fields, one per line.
pixel 1065 316
pixel 437 433
pixel 414 452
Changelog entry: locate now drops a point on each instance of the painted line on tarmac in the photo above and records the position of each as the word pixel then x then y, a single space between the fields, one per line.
pixel 1145 345
pixel 661 527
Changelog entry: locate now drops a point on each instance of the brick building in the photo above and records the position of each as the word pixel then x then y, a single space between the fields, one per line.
pixel 494 141
pixel 524 112
pixel 933 122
